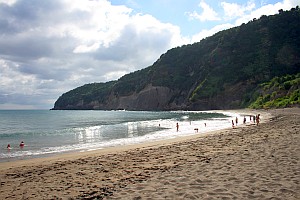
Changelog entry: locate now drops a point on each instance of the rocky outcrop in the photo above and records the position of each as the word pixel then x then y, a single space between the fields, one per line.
pixel 150 98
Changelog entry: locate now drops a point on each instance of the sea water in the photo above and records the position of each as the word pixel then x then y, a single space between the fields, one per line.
pixel 46 132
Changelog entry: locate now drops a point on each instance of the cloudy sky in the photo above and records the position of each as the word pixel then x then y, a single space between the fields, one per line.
pixel 48 47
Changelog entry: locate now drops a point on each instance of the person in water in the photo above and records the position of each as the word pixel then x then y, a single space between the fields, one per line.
pixel 177 126
pixel 22 144
pixel 8 147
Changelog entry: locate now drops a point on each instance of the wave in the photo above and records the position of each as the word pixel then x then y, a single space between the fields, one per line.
pixel 92 136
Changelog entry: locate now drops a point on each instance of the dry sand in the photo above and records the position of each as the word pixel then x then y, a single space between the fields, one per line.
pixel 249 162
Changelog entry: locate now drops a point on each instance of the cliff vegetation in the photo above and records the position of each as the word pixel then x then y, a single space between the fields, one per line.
pixel 279 92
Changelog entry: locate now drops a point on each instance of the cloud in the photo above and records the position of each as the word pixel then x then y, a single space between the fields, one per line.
pixel 233 10
pixel 267 9
pixel 8 2
pixel 208 14
pixel 49 47
pixel 235 15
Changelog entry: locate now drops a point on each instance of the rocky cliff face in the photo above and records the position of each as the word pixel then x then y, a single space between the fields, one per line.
pixel 163 98
pixel 150 98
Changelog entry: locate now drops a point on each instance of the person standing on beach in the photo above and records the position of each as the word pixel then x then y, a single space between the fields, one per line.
pixel 232 122
pixel 177 126
pixel 257 119
pixel 236 121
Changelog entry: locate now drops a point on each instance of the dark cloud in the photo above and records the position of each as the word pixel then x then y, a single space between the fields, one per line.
pixel 26 14
pixel 40 47
pixel 28 47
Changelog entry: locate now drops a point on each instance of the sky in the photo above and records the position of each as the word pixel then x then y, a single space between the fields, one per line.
pixel 48 47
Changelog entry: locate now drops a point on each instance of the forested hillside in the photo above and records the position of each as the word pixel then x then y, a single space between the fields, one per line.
pixel 226 70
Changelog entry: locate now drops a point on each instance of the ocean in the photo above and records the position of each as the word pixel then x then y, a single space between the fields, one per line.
pixel 50 132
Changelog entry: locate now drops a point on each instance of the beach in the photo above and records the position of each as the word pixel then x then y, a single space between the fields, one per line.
pixel 247 162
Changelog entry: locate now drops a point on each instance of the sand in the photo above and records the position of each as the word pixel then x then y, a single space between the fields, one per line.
pixel 248 162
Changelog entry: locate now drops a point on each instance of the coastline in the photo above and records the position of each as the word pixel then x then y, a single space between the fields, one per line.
pixel 97 152
pixel 60 133
pixel 225 163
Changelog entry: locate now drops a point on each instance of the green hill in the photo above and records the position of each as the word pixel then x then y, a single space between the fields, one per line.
pixel 224 71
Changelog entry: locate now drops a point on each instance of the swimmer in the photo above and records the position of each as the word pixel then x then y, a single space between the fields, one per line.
pixel 22 144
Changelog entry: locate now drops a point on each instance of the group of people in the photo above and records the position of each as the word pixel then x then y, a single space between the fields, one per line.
pixel 253 118
pixel 256 120
pixel 22 144
pixel 177 127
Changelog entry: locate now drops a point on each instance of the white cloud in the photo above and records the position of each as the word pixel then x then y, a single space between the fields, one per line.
pixel 240 14
pixel 208 14
pixel 268 9
pixel 288 4
pixel 8 2
pixel 233 10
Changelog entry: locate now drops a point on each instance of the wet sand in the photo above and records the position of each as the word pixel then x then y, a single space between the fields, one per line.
pixel 248 162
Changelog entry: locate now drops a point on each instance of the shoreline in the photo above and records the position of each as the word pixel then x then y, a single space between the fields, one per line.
pixel 192 132
pixel 78 154
pixel 160 168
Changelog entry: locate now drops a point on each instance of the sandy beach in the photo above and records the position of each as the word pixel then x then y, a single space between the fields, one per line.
pixel 248 162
